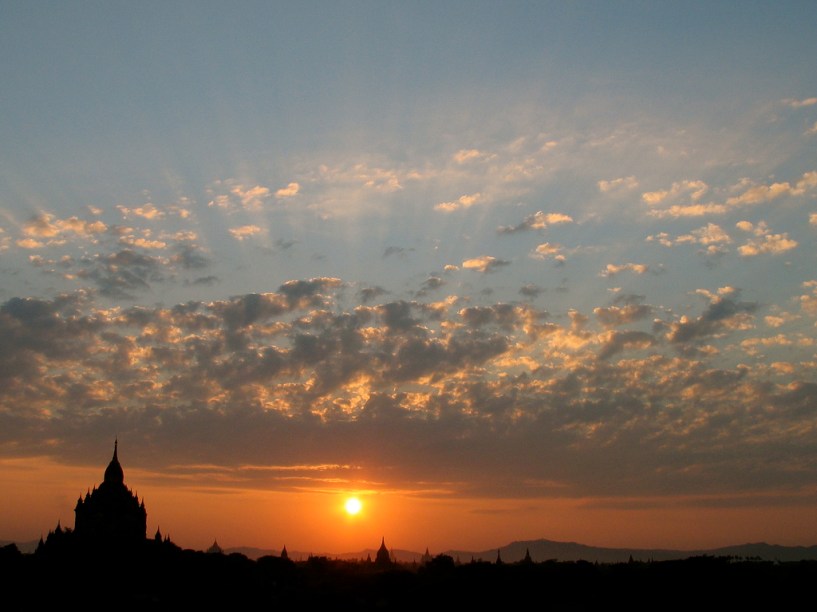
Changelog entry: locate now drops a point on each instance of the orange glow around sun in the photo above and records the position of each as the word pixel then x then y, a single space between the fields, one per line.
pixel 353 506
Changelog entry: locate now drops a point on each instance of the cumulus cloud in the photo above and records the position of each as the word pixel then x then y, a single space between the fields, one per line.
pixel 695 190
pixel 764 242
pixel 750 194
pixel 461 203
pixel 237 196
pixel 614 269
pixel 146 211
pixel 547 250
pixel 614 316
pixel 794 103
pixel 47 226
pixel 711 236
pixel 537 221
pixel 289 191
pixel 812 219
pixel 808 301
pixel 531 290
pixel 467 155
pixel 123 273
pixel 485 263
pixel 723 314
pixel 244 231
pixel 626 183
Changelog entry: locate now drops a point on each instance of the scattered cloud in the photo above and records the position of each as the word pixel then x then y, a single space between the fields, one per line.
pixel 462 203
pixel 232 197
pixel 764 242
pixel 289 191
pixel 537 221
pixel 485 263
pixel 546 250
pixel 627 183
pixel 146 211
pixel 613 269
pixel 794 103
pixel 750 194
pixel 468 155
pixel 711 236
pixel 245 231
pixel 695 190
pixel 45 225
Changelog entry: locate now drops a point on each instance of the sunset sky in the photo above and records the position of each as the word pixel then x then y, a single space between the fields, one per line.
pixel 503 270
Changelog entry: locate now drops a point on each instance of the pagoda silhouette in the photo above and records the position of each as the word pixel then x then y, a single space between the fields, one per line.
pixel 111 513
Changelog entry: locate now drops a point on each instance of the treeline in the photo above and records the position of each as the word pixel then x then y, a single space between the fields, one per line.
pixel 160 575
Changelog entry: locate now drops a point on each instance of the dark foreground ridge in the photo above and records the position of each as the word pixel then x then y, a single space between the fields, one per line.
pixel 160 575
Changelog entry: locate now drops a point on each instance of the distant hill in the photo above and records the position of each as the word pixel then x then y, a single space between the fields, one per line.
pixel 23 547
pixel 540 550
pixel 544 550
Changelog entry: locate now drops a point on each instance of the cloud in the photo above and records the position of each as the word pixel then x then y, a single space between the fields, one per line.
pixel 694 189
pixel 245 231
pixel 485 263
pixel 289 191
pixel 237 196
pixel 627 183
pixel 794 103
pixel 722 314
pixel 617 342
pixel 537 221
pixel 146 211
pixel 547 250
pixel 765 242
pixel 751 194
pixel 712 236
pixel 614 316
pixel 463 202
pixel 190 257
pixel 808 301
pixel 812 219
pixel 531 290
pixel 613 269
pixel 467 155
pixel 120 274
pixel 46 225
pixel 430 284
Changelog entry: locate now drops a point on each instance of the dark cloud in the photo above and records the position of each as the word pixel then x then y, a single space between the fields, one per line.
pixel 531 290
pixel 716 318
pixel 614 316
pixel 190 257
pixel 619 341
pixel 393 250
pixel 537 221
pixel 430 284
pixel 121 274
pixel 412 392
pixel 367 294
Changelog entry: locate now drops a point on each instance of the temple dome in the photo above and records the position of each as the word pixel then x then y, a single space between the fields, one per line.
pixel 114 473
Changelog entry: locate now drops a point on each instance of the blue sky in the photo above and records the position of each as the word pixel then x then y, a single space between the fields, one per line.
pixel 557 249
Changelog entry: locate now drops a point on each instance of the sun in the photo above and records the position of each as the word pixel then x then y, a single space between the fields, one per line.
pixel 353 506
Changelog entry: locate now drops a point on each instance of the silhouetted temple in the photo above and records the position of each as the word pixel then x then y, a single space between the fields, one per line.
pixel 111 513
pixel 383 557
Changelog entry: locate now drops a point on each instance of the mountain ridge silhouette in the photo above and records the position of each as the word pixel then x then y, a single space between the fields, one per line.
pixel 546 550
pixel 540 550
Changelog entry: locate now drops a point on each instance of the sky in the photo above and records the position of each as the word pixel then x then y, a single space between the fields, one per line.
pixel 503 271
